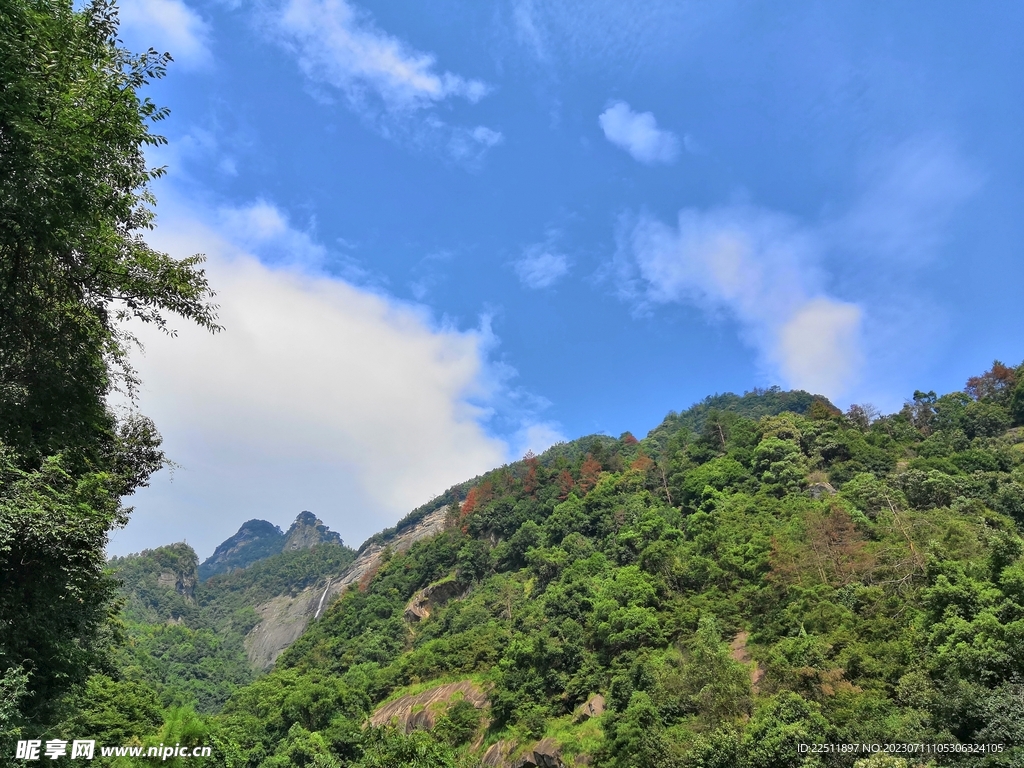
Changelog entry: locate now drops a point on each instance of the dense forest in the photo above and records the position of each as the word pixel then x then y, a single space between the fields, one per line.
pixel 759 572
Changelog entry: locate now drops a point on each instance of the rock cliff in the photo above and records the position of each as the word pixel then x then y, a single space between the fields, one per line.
pixel 307 531
pixel 421 710
pixel 283 618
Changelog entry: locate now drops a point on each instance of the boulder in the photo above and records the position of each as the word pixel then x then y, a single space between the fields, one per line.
pixel 433 596
pixel 497 754
pixel 421 710
pixel 545 754
pixel 592 707
pixel 548 754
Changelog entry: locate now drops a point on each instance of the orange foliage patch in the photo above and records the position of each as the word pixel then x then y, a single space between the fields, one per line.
pixel 642 463
pixel 590 473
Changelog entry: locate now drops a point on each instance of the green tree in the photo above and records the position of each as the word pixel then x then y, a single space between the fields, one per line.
pixel 389 748
pixel 73 268
pixel 73 200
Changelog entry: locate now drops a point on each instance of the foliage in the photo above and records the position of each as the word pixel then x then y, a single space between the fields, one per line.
pixel 54 595
pixel 734 591
pixel 73 266
pixel 185 638
pixel 73 198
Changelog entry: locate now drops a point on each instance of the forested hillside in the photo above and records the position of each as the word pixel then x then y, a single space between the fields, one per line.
pixel 713 595
pixel 184 639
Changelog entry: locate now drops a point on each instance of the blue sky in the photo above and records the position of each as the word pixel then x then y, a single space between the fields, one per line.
pixel 443 233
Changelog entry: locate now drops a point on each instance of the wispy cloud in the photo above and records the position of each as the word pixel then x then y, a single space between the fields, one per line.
pixel 337 44
pixel 638 134
pixel 265 230
pixel 536 437
pixel 383 78
pixel 776 275
pixel 168 25
pixel 527 28
pixel 541 266
pixel 469 145
pixel 761 268
pixel 909 192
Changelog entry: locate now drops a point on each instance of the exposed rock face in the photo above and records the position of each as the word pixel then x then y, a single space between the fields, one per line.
pixel 545 754
pixel 818 490
pixel 738 651
pixel 255 540
pixel 306 532
pixel 497 754
pixel 284 618
pixel 592 707
pixel 429 598
pixel 421 710
pixel 182 582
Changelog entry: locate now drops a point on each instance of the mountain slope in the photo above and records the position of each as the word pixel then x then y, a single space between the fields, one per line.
pixel 188 639
pixel 255 540
pixel 718 593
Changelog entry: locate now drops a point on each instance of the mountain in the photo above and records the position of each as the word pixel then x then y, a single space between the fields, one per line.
pixel 758 573
pixel 255 540
pixel 307 531
pixel 189 639
pixel 258 539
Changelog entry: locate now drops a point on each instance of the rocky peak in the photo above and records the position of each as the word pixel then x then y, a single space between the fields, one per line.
pixel 255 540
pixel 308 531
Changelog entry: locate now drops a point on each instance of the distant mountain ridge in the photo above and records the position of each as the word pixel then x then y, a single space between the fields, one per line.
pixel 258 539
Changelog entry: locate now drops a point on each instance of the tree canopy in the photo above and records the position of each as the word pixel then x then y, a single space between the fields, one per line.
pixel 74 267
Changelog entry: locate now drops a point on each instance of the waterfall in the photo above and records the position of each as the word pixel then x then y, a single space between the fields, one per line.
pixel 322 598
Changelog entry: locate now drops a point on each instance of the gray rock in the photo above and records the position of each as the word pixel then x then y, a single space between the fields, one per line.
pixel 434 596
pixel 497 754
pixel 545 754
pixel 284 618
pixel 818 490
pixel 592 707
pixel 420 711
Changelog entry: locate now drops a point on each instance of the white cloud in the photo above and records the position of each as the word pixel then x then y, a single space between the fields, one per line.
pixel 820 345
pixel 638 134
pixel 264 228
pixel 541 267
pixel 767 271
pixel 341 46
pixel 910 192
pixel 760 268
pixel 317 395
pixel 168 25
pixel 384 79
